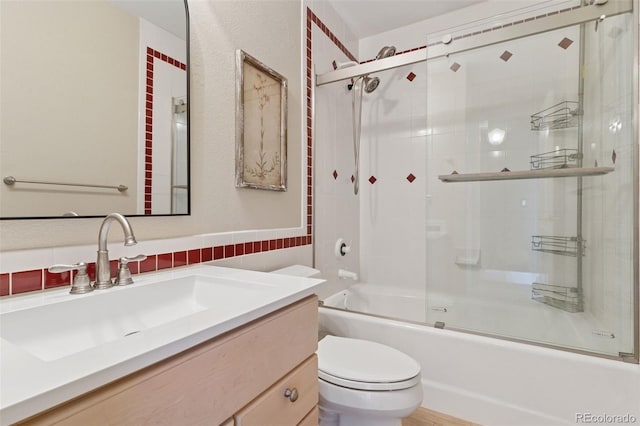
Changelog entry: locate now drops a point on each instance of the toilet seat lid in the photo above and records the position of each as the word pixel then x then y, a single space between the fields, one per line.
pixel 366 365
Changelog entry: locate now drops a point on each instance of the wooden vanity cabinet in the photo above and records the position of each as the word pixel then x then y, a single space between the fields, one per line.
pixel 239 378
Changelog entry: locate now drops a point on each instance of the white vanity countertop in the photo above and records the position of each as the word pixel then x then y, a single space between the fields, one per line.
pixel 33 381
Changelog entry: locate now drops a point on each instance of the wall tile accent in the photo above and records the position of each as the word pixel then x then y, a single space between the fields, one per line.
pixel 152 54
pixel 56 280
pixel 165 261
pixel 455 67
pixel 506 55
pixel 179 258
pixel 411 178
pixel 4 284
pixel 22 282
pixel 38 279
pixel 311 17
pixel 565 43
pixel 372 180
pixel 411 76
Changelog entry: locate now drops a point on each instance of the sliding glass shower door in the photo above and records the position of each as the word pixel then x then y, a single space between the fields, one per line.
pixel 530 188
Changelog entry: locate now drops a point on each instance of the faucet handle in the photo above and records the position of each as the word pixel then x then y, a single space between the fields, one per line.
pixel 81 281
pixel 124 273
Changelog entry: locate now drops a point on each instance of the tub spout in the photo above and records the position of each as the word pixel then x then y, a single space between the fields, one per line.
pixel 344 274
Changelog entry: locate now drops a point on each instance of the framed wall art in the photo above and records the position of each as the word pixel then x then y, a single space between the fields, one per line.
pixel 261 125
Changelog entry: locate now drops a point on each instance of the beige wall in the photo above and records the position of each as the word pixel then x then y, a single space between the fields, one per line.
pixel 57 90
pixel 269 31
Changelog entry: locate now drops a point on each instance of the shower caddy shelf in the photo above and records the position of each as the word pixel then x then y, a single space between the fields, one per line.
pixel 526 174
pixel 561 297
pixel 564 246
pixel 558 159
pixel 563 115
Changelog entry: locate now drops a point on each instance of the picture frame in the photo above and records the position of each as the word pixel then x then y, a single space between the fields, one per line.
pixel 261 125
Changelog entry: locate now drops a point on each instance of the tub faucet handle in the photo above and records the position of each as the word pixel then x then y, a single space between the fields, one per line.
pixel 124 273
pixel 81 281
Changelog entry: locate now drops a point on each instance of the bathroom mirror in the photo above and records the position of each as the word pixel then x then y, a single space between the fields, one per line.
pixel 94 108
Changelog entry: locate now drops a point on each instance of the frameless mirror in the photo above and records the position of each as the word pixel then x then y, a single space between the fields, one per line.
pixel 94 108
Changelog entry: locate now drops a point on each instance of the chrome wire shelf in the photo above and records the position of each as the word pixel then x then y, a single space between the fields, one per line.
pixel 560 116
pixel 564 246
pixel 566 298
pixel 558 159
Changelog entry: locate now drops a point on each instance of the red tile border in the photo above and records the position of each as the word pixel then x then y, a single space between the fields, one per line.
pixel 4 284
pixel 22 282
pixel 152 54
pixel 194 256
pixel 207 254
pixel 165 261
pixel 52 280
pixel 218 252
pixel 179 258
pixel 148 265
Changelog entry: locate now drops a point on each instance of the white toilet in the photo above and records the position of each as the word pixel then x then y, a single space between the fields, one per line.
pixel 363 383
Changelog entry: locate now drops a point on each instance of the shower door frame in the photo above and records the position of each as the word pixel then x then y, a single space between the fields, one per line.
pixel 548 22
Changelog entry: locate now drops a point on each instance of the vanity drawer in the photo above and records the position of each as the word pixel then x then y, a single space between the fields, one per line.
pixel 206 384
pixel 273 408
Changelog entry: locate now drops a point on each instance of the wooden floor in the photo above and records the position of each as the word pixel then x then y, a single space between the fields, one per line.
pixel 425 417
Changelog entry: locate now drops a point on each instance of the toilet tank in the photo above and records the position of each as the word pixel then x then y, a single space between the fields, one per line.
pixel 299 271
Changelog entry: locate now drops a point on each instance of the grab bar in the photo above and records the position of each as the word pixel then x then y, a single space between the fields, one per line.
pixel 10 180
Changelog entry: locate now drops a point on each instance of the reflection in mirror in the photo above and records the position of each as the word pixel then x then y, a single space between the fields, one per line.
pixel 94 99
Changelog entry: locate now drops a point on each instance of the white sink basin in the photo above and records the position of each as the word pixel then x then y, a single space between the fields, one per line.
pixel 55 346
pixel 57 330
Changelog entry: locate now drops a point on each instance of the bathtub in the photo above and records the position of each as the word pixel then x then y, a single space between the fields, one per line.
pixel 482 379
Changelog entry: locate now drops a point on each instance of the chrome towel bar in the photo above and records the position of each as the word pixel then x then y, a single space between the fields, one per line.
pixel 10 180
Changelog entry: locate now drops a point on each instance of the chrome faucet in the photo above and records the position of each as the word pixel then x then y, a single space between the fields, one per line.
pixel 103 270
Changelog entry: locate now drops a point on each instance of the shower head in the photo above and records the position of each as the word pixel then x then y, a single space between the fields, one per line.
pixel 370 83
pixel 386 51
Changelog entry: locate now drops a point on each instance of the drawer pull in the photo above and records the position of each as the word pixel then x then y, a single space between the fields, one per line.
pixel 292 394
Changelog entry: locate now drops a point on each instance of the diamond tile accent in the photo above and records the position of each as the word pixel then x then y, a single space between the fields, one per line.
pixel 614 156
pixel 506 55
pixel 335 174
pixel 411 76
pixel 372 180
pixel 353 178
pixel 411 178
pixel 565 43
pixel 455 67
pixel 335 65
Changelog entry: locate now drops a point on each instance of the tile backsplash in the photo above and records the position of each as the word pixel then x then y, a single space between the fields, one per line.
pixel 26 270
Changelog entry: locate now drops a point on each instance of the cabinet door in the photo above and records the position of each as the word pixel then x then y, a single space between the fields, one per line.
pixel 287 402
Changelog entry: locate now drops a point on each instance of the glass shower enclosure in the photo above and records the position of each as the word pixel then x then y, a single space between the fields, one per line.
pixel 532 188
